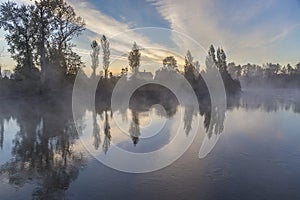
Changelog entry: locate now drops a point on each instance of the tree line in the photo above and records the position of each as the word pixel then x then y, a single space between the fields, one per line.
pixel 269 74
pixel 39 37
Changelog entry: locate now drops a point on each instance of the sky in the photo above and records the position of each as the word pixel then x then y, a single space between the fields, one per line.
pixel 250 31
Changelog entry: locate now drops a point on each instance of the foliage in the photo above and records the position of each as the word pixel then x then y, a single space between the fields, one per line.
pixel 95 56
pixel 134 58
pixel 40 35
pixel 267 75
pixel 106 54
pixel 170 63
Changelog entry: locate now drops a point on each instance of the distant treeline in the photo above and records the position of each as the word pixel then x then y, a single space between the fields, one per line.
pixel 267 75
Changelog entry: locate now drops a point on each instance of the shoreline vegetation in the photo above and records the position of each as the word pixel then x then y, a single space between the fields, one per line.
pixel 39 37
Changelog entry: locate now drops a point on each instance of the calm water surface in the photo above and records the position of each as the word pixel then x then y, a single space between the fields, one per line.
pixel 257 156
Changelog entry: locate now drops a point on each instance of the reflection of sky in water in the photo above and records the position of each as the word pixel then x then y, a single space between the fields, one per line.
pixel 10 128
pixel 256 157
pixel 156 130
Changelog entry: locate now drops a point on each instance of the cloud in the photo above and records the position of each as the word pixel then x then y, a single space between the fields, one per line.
pixel 120 35
pixel 248 30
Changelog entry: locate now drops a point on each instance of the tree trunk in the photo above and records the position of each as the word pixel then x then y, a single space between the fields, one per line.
pixel 43 65
pixel 105 73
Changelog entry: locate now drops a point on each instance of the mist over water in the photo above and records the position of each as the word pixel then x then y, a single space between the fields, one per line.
pixel 256 156
pixel 149 100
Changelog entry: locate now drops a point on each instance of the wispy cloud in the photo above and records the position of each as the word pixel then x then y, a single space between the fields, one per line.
pixel 247 29
pixel 120 34
pixel 250 31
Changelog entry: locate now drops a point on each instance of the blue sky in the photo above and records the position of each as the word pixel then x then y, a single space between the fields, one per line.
pixel 252 31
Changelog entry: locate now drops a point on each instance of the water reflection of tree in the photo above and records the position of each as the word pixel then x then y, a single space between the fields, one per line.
pixel 188 118
pixel 107 135
pixel 1 132
pixel 96 131
pixel 269 100
pixel 134 129
pixel 214 121
pixel 43 149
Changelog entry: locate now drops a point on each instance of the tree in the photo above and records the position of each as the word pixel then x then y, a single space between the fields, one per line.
pixel 95 56
pixel 73 62
pixel 43 16
pixel 221 62
pixel 124 71
pixel 189 58
pixel 283 70
pixel 106 54
pixel 189 68
pixel 197 66
pixel 18 22
pixel 188 62
pixel 211 53
pixel 234 70
pixel 67 25
pixel 134 58
pixel 41 34
pixel 272 69
pixel 298 68
pixel 289 69
pixel 170 63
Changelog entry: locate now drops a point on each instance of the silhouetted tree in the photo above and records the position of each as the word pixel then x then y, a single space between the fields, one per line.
pixel 95 56
pixel 197 67
pixel 211 53
pixel 234 71
pixel 298 68
pixel 231 86
pixel 106 54
pixel 283 70
pixel 41 34
pixel 18 21
pixel 124 71
pixel 221 62
pixel 189 68
pixel 170 63
pixel 134 58
pixel 289 69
